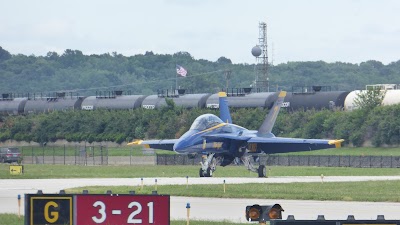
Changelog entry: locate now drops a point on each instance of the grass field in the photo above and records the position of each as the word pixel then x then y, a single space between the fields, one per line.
pixel 137 151
pixel 77 171
pixel 371 191
pixel 12 219
pixel 365 151
pixel 379 191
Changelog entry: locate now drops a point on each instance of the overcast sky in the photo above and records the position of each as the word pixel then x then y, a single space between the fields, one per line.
pixel 330 30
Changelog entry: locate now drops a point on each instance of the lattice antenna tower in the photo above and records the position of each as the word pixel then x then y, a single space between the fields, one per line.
pixel 261 53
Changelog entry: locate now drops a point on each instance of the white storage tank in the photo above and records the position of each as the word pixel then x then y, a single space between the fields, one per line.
pixel 349 103
pixel 392 97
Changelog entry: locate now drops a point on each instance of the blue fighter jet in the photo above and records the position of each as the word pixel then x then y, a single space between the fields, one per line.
pixel 221 142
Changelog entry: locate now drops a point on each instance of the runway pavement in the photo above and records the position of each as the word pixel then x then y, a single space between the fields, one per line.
pixel 215 208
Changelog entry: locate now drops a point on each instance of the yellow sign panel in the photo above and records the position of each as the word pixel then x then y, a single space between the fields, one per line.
pixel 16 169
pixel 51 210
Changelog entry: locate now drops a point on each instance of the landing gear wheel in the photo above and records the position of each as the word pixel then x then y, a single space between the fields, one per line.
pixel 201 172
pixel 209 172
pixel 262 171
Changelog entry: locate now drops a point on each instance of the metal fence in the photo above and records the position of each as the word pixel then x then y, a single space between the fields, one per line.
pixel 76 155
pixel 295 160
pixel 177 160
pixel 88 155
pixel 334 161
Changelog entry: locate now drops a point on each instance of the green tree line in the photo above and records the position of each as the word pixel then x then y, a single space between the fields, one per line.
pixel 146 73
pixel 377 126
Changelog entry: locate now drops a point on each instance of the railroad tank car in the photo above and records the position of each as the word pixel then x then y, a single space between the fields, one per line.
pixel 49 104
pixel 113 102
pixel 391 97
pixel 244 100
pixel 192 100
pixel 184 100
pixel 315 100
pixel 349 103
pixel 12 106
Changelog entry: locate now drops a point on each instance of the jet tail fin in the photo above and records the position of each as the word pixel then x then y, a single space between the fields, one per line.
pixel 224 113
pixel 268 124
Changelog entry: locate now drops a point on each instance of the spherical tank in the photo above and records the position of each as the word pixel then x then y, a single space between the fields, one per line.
pixel 256 51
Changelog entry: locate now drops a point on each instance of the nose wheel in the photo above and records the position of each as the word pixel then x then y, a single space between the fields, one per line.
pixel 207 173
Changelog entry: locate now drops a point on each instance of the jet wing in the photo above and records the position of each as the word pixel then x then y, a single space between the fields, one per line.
pixel 167 144
pixel 284 145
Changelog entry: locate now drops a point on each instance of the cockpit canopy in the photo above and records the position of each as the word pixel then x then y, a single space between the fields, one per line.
pixel 205 121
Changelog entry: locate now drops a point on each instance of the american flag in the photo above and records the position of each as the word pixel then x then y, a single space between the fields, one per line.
pixel 180 70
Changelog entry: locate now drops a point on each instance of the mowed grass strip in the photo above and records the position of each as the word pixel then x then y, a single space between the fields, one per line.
pixel 12 219
pixel 347 151
pixel 124 150
pixel 371 191
pixel 75 171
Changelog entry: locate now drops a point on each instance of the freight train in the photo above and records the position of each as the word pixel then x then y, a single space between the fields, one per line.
pixel 314 97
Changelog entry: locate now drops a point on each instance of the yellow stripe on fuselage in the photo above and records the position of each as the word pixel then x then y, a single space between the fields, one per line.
pixel 211 128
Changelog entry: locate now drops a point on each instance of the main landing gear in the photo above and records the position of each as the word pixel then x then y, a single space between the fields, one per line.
pixel 247 161
pixel 209 164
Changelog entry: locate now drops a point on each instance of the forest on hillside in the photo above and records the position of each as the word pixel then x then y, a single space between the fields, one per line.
pixel 377 126
pixel 146 73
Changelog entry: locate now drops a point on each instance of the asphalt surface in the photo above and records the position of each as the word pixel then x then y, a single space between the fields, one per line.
pixel 215 208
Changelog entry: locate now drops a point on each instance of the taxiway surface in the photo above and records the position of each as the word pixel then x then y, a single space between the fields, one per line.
pixel 215 208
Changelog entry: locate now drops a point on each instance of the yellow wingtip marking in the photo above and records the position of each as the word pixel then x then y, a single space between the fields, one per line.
pixel 136 142
pixel 221 94
pixel 337 143
pixel 282 94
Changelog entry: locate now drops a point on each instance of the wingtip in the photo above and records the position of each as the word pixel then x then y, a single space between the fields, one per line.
pixel 337 143
pixel 136 142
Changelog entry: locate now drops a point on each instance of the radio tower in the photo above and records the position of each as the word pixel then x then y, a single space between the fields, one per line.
pixel 261 53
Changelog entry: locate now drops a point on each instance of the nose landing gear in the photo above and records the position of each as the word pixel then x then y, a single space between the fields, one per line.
pixel 208 166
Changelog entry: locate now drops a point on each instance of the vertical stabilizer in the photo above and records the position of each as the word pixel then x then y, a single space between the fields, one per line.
pixel 224 113
pixel 268 124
